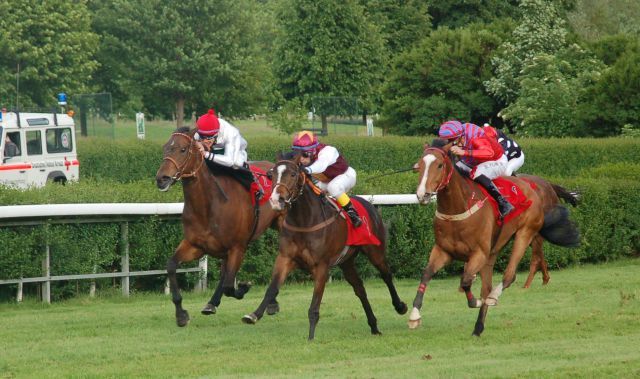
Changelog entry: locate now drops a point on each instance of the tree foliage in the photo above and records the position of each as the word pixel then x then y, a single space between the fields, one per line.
pixel 53 45
pixel 440 79
pixel 328 48
pixel 459 13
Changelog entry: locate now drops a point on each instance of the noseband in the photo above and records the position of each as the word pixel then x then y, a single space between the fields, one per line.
pixel 179 174
pixel 448 165
pixel 293 194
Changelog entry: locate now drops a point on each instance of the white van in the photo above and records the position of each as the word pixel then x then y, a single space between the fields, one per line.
pixel 36 148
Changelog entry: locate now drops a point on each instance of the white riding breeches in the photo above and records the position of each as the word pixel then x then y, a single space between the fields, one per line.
pixel 490 169
pixel 514 164
pixel 342 183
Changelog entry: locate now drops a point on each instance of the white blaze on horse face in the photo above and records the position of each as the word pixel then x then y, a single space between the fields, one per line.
pixel 275 195
pixel 422 190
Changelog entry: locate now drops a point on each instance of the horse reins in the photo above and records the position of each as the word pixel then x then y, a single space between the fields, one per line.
pixel 179 175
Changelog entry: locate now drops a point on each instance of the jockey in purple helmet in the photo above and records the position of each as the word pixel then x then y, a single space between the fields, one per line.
pixel 326 164
pixel 481 156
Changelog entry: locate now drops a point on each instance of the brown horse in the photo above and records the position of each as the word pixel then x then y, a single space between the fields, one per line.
pixel 313 237
pixel 467 230
pixel 218 218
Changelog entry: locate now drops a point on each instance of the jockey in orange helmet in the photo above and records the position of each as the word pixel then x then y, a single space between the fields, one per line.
pixel 327 165
pixel 481 156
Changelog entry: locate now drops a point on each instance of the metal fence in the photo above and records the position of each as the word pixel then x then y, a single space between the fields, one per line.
pixel 122 213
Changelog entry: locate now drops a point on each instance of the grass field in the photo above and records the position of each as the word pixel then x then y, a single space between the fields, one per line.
pixel 585 323
pixel 160 130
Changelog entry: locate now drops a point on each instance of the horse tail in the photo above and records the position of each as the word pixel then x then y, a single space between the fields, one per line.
pixel 559 229
pixel 572 198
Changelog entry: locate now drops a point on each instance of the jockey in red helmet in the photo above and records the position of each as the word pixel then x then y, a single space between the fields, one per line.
pixel 481 156
pixel 327 165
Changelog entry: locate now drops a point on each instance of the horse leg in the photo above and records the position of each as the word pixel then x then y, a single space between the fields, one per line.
pixel 352 277
pixel 486 274
pixel 537 262
pixel 212 306
pixel 320 275
pixel 522 241
pixel 281 268
pixel 185 252
pixel 234 259
pixel 437 259
pixel 471 268
pixel 376 256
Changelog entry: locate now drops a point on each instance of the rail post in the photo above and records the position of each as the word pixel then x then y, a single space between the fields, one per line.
pixel 124 240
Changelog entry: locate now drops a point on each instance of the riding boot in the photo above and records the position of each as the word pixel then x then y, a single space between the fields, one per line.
pixel 504 205
pixel 353 215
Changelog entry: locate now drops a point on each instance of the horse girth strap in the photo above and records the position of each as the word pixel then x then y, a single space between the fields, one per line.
pixel 461 216
pixel 313 228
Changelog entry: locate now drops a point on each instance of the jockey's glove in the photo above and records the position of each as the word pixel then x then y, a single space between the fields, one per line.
pixel 307 170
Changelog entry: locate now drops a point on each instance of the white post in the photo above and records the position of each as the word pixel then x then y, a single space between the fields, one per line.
pixel 167 289
pixel 19 295
pixel 203 265
pixel 124 239
pixel 46 268
pixel 92 286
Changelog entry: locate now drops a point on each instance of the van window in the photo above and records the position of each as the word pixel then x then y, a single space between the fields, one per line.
pixel 59 140
pixel 34 142
pixel 12 150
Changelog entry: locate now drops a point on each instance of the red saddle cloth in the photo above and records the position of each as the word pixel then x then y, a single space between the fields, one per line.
pixel 361 235
pixel 265 183
pixel 513 194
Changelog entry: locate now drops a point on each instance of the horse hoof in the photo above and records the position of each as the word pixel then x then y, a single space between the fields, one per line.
pixel 492 302
pixel 376 332
pixel 475 303
pixel 209 309
pixel 272 309
pixel 414 324
pixel 250 319
pixel 183 319
pixel 402 309
pixel 245 286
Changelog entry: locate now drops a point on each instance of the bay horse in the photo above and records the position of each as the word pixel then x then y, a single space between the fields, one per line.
pixel 218 218
pixel 313 237
pixel 465 230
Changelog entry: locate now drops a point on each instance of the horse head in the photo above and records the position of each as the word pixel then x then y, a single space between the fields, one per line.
pixel 435 168
pixel 180 159
pixel 288 180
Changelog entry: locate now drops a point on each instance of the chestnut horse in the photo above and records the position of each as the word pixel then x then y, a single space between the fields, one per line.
pixel 467 230
pixel 218 218
pixel 313 237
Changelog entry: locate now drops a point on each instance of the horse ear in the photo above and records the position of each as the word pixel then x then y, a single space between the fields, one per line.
pixel 279 156
pixel 296 158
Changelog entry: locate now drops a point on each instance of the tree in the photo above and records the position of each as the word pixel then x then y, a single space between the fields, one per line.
pixel 51 44
pixel 460 13
pixel 194 53
pixel 328 48
pixel 541 30
pixel 440 79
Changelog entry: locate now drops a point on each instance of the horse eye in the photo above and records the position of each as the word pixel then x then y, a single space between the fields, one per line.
pixel 440 165
pixel 269 175
pixel 183 149
pixel 293 174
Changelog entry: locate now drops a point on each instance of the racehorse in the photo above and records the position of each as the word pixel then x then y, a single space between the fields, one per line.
pixel 468 231
pixel 550 194
pixel 218 218
pixel 314 237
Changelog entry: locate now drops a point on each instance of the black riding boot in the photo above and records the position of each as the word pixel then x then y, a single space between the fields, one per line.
pixel 504 206
pixel 353 215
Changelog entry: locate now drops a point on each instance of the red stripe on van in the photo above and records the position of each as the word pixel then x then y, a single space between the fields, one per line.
pixel 22 166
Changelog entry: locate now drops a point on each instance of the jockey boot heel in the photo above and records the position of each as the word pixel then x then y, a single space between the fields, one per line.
pixel 504 206
pixel 353 215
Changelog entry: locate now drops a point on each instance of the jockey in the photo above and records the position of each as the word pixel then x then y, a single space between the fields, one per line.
pixel 482 157
pixel 217 135
pixel 327 165
pixel 512 150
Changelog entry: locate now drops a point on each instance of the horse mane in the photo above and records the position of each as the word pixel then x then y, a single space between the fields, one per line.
pixel 439 143
pixel 184 129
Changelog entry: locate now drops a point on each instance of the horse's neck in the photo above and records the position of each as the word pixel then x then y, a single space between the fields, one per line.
pixel 309 209
pixel 456 196
pixel 202 192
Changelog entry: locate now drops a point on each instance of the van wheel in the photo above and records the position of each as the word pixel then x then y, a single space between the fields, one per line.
pixel 60 180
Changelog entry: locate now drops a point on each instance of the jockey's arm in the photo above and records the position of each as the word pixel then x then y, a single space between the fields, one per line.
pixel 481 150
pixel 326 157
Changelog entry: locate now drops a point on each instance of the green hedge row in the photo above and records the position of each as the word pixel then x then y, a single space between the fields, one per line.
pixel 138 160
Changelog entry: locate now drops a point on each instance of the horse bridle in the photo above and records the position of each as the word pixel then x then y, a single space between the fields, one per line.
pixel 179 174
pixel 302 178
pixel 447 162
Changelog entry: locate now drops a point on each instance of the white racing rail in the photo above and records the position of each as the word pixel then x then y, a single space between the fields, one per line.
pixel 123 213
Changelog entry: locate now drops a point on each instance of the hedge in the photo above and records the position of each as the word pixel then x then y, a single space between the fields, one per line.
pixel 608 216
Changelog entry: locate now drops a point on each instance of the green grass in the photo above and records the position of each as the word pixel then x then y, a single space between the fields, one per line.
pixel 585 323
pixel 160 130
